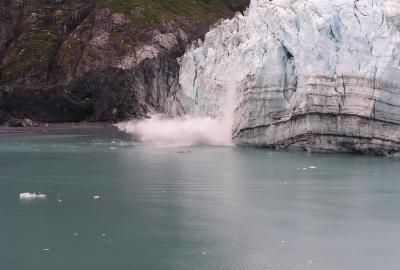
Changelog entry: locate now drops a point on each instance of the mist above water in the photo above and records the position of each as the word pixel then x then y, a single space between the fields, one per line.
pixel 189 130
pixel 182 131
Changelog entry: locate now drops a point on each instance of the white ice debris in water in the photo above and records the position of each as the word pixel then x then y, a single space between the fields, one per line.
pixel 96 197
pixel 283 242
pixel 31 196
pixel 76 234
pixel 312 167
pixel 46 249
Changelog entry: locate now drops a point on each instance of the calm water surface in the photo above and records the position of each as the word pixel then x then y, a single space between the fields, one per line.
pixel 192 207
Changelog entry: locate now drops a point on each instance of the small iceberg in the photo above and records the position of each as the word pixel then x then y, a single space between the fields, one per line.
pixel 32 196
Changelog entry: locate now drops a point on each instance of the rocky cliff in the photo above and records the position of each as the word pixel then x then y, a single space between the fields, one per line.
pixel 97 60
pixel 313 75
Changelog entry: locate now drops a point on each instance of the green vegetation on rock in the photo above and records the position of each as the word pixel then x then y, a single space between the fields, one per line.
pixel 35 50
pixel 51 30
pixel 181 11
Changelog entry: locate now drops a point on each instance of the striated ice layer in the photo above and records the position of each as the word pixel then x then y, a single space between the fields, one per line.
pixel 315 75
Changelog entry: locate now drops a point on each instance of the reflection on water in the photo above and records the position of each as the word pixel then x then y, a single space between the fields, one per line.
pixel 192 207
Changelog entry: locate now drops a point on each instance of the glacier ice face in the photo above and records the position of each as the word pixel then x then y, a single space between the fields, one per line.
pixel 316 75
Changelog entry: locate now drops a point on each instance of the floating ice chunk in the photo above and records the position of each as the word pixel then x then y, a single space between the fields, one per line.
pixel 304 169
pixel 75 234
pixel 96 197
pixel 283 242
pixel 46 249
pixel 204 253
pixel 31 196
pixel 312 167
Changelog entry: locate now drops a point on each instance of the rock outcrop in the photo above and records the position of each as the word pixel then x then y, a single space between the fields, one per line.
pixel 111 60
pixel 313 75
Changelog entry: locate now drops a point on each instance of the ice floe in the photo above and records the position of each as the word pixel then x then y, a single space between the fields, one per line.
pixel 32 196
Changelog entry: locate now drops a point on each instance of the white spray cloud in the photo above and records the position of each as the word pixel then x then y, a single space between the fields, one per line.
pixel 190 129
pixel 183 131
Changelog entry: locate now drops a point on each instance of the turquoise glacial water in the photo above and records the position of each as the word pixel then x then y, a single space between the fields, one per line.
pixel 192 207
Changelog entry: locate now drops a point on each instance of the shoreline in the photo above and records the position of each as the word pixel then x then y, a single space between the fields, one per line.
pixel 46 127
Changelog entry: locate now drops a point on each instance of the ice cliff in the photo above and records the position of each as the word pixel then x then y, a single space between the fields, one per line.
pixel 307 74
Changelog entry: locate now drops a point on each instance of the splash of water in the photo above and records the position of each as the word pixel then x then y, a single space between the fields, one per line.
pixel 188 130
pixel 182 131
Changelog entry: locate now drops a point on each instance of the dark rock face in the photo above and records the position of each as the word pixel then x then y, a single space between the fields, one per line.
pixel 36 32
pixel 6 29
pixel 112 94
pixel 69 61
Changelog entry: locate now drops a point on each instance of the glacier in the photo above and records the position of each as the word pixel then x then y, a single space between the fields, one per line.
pixel 315 75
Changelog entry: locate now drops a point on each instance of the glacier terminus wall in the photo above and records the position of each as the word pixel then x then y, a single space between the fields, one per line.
pixel 306 74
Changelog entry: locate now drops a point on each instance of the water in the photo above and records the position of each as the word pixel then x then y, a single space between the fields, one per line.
pixel 192 207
